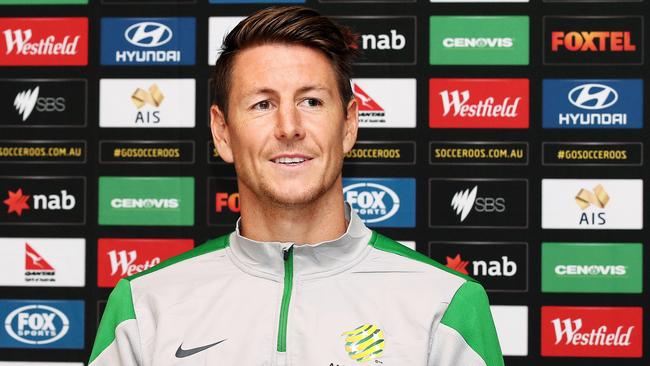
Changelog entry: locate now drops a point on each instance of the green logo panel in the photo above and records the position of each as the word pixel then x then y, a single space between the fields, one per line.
pixel 478 40
pixel 592 267
pixel 42 2
pixel 146 201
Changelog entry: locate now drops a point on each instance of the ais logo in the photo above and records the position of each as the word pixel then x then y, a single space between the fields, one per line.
pixel 42 324
pixel 592 204
pixel 43 200
pixel 148 41
pixel 592 331
pixel 497 266
pixel 382 202
pixel 613 103
pixel 146 103
pixel 43 41
pixel 119 258
pixel 478 203
pixel 593 40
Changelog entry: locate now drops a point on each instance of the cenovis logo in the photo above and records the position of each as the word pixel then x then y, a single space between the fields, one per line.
pixel 593 96
pixel 373 202
pixel 148 34
pixel 37 324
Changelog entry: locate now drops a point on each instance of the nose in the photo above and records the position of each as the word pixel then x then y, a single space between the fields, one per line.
pixel 289 125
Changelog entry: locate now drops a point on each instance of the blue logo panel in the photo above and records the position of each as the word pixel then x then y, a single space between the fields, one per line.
pixel 148 41
pixel 382 202
pixel 592 103
pixel 42 324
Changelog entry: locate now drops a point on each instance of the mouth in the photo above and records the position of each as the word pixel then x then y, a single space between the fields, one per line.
pixel 291 160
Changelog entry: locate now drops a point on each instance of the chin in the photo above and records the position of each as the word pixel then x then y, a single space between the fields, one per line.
pixel 293 195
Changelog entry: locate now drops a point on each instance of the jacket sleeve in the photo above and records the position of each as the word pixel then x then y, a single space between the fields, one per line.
pixel 466 334
pixel 118 339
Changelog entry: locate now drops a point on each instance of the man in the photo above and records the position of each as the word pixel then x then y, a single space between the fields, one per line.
pixel 302 281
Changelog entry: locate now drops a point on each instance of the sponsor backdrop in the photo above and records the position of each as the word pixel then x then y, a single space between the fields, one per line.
pixel 503 138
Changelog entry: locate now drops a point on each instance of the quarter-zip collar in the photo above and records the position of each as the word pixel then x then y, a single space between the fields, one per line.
pixel 266 258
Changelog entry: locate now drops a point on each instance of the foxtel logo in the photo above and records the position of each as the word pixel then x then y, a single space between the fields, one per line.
pixel 20 40
pixel 592 41
pixel 145 203
pixel 124 262
pixel 567 331
pixel 458 102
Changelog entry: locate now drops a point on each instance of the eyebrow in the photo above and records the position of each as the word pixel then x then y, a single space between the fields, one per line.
pixel 304 89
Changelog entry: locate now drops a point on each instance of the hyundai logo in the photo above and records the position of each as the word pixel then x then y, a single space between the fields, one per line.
pixel 593 96
pixel 148 34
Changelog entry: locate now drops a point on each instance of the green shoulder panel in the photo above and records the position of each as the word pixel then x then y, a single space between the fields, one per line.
pixel 469 314
pixel 207 247
pixel 120 303
pixel 386 244
pixel 118 309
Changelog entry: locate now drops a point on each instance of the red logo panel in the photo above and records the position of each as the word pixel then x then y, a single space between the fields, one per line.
pixel 592 331
pixel 43 41
pixel 478 103
pixel 119 258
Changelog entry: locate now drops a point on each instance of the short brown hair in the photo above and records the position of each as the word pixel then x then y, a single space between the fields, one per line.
pixel 291 25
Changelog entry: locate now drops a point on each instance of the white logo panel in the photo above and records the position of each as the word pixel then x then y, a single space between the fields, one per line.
pixel 147 103
pixel 592 204
pixel 386 103
pixel 219 28
pixel 43 262
pixel 511 323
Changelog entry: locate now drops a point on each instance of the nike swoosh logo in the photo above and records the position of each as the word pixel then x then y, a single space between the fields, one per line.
pixel 182 353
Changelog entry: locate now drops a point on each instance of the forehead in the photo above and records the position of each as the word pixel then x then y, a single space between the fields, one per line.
pixel 281 67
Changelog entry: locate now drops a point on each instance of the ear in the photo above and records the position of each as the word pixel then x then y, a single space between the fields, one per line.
pixel 351 125
pixel 220 133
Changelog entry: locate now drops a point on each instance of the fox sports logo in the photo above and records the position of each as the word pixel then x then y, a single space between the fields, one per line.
pixel 371 201
pixel 37 324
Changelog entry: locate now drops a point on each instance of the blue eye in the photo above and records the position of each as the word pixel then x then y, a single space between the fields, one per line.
pixel 263 105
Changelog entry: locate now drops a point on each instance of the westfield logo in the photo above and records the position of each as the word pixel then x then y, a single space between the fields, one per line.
pixel 123 262
pixel 19 42
pixel 459 104
pixel 568 332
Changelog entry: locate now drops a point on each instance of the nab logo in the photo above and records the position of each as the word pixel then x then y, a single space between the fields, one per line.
pixel 148 34
pixel 464 201
pixel 17 202
pixel 225 201
pixel 27 100
pixel 598 199
pixel 391 41
pixel 378 202
pixel 503 267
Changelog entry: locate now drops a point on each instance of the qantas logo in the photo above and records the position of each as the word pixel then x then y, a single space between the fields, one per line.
pixel 366 103
pixel 593 96
pixel 20 40
pixel 25 102
pixel 592 41
pixel 148 34
pixel 34 261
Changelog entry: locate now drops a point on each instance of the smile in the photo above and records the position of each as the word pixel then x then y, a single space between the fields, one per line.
pixel 290 160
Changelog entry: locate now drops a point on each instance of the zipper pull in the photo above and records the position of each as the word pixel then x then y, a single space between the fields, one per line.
pixel 286 251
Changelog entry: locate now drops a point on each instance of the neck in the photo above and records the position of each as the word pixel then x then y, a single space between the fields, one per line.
pixel 310 223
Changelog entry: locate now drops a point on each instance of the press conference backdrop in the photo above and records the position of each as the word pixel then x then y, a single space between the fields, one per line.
pixel 504 139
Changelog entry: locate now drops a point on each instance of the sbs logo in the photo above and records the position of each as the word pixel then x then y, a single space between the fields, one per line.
pixel 37 324
pixel 593 96
pixel 148 34
pixel 373 202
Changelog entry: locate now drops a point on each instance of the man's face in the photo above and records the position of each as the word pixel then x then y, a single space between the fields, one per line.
pixel 286 131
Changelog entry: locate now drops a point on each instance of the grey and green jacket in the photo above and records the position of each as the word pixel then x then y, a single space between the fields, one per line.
pixel 362 299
